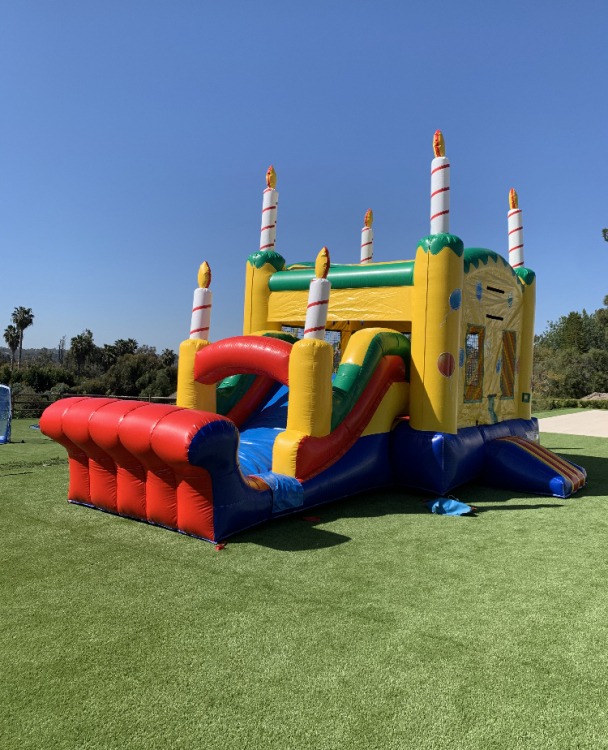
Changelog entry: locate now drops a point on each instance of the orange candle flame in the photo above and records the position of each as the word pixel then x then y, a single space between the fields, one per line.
pixel 271 177
pixel 513 199
pixel 438 143
pixel 369 218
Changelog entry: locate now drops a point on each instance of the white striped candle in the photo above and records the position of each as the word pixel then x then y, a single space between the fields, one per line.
pixel 516 231
pixel 270 202
pixel 367 237
pixel 318 298
pixel 440 187
pixel 201 305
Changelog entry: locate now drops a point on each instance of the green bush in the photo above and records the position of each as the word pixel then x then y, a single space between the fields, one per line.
pixel 43 377
pixel 59 390
pixel 92 387
pixel 598 403
pixel 546 403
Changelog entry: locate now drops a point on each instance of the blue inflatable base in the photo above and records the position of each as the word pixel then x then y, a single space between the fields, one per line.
pixel 434 463
pixel 438 462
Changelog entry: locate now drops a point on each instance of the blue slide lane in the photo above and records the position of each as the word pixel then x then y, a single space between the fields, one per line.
pixel 259 432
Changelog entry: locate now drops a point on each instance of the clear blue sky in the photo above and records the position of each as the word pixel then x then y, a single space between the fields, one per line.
pixel 135 137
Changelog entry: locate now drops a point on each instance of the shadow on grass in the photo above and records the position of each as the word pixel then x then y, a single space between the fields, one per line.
pixel 597 473
pixel 295 534
pixel 536 506
pixel 290 535
pixel 301 532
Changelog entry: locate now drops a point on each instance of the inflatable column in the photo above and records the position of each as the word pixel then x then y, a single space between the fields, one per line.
pixel 318 299
pixel 310 369
pixel 516 231
pixel 528 279
pixel 261 265
pixel 437 310
pixel 526 350
pixel 367 237
pixel 201 305
pixel 270 202
pixel 440 187
pixel 437 305
pixel 190 394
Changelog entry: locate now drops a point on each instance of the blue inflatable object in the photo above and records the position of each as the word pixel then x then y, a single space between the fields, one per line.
pixel 5 414
pixel 449 506
pixel 516 464
pixel 444 461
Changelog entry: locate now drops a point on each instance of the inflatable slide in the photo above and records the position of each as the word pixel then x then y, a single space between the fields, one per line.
pixel 209 474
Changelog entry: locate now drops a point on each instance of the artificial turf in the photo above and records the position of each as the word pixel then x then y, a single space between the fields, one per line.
pixel 380 626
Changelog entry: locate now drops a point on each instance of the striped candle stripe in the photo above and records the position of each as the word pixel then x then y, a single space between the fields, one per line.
pixel 268 231
pixel 516 237
pixel 316 310
pixel 440 195
pixel 201 314
pixel 367 244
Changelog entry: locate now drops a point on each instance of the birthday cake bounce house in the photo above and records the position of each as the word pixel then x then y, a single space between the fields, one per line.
pixel 432 389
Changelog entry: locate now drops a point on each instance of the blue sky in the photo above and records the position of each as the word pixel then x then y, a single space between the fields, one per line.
pixel 135 138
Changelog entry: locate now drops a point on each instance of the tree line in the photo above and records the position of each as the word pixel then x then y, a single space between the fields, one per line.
pixel 571 356
pixel 570 361
pixel 124 368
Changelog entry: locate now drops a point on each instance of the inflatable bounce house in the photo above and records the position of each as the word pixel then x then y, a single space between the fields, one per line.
pixel 432 389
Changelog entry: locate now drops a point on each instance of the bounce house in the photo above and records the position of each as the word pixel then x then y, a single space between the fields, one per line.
pixel 432 388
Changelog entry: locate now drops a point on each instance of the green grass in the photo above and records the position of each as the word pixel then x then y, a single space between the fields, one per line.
pixel 29 448
pixel 381 626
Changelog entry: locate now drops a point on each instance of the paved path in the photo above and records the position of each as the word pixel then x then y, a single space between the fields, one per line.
pixel 592 422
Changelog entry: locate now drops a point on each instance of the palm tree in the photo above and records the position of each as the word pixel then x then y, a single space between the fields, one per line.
pixel 23 318
pixel 82 348
pixel 12 336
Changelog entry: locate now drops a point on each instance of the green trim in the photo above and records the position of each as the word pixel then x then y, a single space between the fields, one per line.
pixel 474 256
pixel 526 275
pixel 345 377
pixel 350 380
pixel 283 335
pixel 435 243
pixel 231 390
pixel 399 273
pixel 261 257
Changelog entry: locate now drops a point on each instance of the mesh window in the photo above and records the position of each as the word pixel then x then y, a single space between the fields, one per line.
pixel 473 364
pixel 332 337
pixel 507 372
